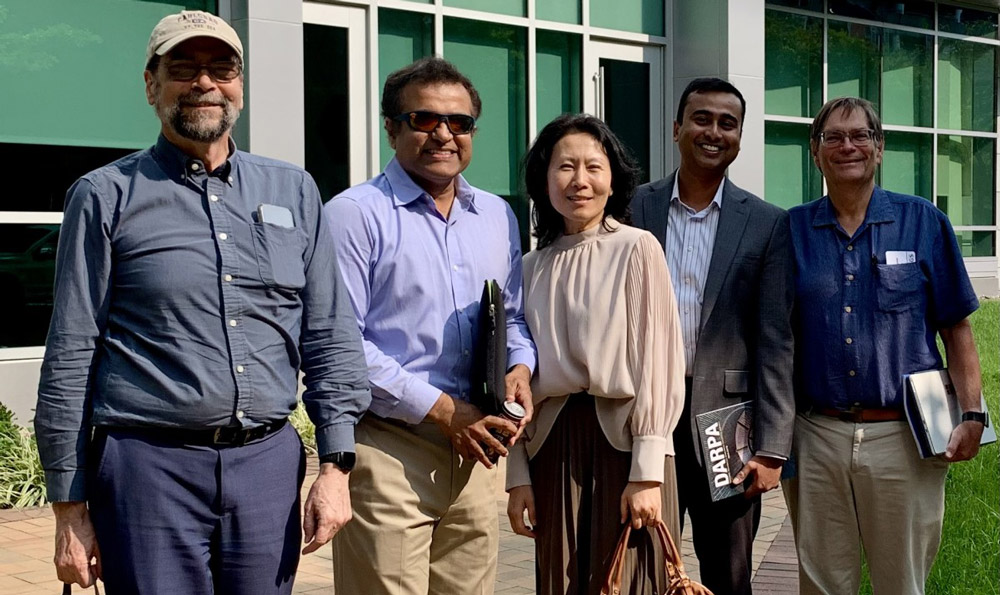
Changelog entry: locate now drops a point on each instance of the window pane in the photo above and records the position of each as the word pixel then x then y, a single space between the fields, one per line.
pixel 906 164
pixel 956 19
pixel 907 78
pixel 327 144
pixel 966 186
pixel 52 169
pixel 73 76
pixel 977 243
pixel 558 79
pixel 512 7
pixel 639 16
pixel 402 38
pixel 915 13
pixel 854 59
pixel 563 11
pixel 966 85
pixel 27 270
pixel 790 178
pixel 493 57
pixel 816 5
pixel 793 72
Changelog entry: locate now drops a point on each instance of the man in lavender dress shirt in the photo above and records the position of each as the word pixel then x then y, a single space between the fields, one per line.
pixel 415 245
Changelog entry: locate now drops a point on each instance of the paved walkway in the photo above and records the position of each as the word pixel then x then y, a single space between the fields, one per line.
pixel 26 546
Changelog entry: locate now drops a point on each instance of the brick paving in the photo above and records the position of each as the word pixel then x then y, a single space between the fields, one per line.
pixel 26 542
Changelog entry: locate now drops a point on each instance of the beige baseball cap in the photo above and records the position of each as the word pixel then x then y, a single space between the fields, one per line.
pixel 176 28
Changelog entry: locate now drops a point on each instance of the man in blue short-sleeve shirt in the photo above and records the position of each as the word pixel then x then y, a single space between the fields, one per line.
pixel 878 276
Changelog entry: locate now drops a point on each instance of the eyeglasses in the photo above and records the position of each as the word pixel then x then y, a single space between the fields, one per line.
pixel 186 72
pixel 859 138
pixel 429 121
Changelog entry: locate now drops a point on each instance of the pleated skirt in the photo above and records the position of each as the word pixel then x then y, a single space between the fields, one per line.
pixel 578 480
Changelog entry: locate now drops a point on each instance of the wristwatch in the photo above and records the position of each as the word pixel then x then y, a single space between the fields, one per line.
pixel 980 416
pixel 343 460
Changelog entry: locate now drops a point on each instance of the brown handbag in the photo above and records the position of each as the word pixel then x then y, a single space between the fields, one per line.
pixel 678 582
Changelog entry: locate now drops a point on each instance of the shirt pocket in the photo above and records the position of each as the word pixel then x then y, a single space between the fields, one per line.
pixel 279 255
pixel 736 383
pixel 899 287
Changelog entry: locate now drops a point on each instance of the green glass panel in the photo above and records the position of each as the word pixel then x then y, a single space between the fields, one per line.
pixel 561 11
pixel 514 8
pixel 638 16
pixel 814 5
pixel 907 78
pixel 966 21
pixel 907 163
pixel 914 13
pixel 966 170
pixel 559 76
pixel 790 178
pixel 854 58
pixel 327 108
pixel 73 76
pixel 493 57
pixel 966 85
pixel 626 107
pixel 402 38
pixel 793 71
pixel 977 243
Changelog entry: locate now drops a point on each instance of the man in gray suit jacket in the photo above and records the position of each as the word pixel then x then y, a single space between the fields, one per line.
pixel 731 263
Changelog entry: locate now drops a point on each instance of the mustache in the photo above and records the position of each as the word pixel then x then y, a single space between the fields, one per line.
pixel 203 99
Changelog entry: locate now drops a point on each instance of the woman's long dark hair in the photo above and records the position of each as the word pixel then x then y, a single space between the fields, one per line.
pixel 547 223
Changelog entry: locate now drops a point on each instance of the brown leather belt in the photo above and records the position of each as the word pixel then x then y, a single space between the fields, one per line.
pixel 859 415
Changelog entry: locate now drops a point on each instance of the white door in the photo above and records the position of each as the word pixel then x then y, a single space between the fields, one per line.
pixel 623 85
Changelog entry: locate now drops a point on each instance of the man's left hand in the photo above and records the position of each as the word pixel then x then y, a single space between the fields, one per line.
pixel 328 507
pixel 765 471
pixel 518 382
pixel 964 442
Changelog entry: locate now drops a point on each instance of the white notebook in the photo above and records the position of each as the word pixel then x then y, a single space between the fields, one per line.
pixel 933 411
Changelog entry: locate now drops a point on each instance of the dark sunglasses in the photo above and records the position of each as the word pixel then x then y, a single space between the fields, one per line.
pixel 222 72
pixel 429 121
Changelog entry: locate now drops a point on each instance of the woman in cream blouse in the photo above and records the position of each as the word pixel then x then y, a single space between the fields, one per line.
pixel 609 387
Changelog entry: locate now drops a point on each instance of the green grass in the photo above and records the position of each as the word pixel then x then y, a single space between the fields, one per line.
pixel 305 428
pixel 969 559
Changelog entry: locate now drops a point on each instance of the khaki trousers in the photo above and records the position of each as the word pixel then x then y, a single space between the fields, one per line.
pixel 425 520
pixel 863 485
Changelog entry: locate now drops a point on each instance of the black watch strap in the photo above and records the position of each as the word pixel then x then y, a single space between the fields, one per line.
pixel 343 460
pixel 980 416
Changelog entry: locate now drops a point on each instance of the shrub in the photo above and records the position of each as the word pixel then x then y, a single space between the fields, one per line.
pixel 22 481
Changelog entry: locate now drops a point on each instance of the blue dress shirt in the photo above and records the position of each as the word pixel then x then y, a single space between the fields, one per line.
pixel 861 323
pixel 176 307
pixel 415 281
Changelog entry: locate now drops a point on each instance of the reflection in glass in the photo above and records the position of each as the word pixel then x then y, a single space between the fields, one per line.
pixel 327 110
pixel 966 85
pixel 793 72
pixel 977 243
pixel 915 13
pixel 814 5
pixel 626 107
pixel 514 8
pixel 966 189
pixel 52 170
pixel 562 11
pixel 907 78
pixel 402 38
pixel 906 163
pixel 638 16
pixel 559 75
pixel 854 62
pixel 790 178
pixel 27 270
pixel 966 21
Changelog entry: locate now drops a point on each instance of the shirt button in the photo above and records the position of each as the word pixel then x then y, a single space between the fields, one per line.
pixel 454 267
pixel 850 277
pixel 240 414
pixel 232 323
pixel 465 353
pixel 852 373
pixel 195 167
pixel 227 277
pixel 848 340
pixel 239 369
pixel 213 198
pixel 223 236
pixel 687 280
pixel 230 179
pixel 690 248
pixel 847 309
pixel 686 310
pixel 850 247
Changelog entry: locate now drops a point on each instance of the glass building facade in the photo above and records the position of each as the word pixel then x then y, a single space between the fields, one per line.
pixel 73 99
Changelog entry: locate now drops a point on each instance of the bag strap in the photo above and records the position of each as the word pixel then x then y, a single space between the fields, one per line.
pixel 678 581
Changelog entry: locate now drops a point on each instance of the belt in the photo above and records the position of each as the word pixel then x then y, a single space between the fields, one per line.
pixel 860 415
pixel 223 436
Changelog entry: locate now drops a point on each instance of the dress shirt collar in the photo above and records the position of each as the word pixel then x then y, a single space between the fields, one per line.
pixel 879 211
pixel 676 196
pixel 181 166
pixel 405 190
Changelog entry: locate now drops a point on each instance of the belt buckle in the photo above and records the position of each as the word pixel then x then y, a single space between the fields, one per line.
pixel 219 438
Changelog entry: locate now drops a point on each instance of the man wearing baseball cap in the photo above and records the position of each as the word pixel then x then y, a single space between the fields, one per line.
pixel 193 283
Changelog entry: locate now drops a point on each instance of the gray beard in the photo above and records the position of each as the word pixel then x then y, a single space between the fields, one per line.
pixel 197 126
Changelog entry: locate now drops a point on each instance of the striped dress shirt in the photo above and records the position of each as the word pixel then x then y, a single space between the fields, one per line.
pixel 690 242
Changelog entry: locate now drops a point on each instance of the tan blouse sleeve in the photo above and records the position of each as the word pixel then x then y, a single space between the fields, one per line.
pixel 655 359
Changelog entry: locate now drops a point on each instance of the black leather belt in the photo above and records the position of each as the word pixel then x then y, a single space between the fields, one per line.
pixel 223 436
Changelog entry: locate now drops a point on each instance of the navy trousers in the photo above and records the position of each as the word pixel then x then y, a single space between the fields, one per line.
pixel 179 519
